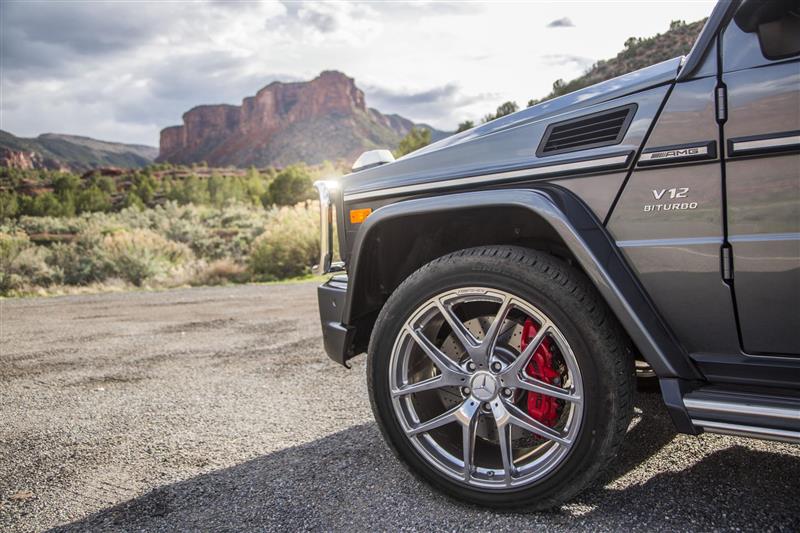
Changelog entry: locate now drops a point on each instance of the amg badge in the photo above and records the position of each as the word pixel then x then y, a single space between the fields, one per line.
pixel 677 154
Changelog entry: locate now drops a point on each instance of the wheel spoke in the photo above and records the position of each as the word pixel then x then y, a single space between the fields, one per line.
pixel 503 433
pixel 459 330
pixel 490 339
pixel 421 386
pixel 445 365
pixel 438 421
pixel 522 420
pixel 468 442
pixel 523 358
pixel 463 414
pixel 534 385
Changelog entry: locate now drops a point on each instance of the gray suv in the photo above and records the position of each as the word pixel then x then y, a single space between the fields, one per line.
pixel 507 281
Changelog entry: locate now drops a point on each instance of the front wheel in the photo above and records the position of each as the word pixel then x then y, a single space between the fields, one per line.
pixel 499 376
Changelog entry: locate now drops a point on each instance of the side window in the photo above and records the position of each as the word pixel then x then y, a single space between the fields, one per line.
pixel 761 32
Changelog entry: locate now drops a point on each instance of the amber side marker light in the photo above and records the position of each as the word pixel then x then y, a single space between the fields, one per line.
pixel 357 216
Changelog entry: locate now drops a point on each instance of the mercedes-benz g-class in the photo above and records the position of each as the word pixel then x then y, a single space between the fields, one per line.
pixel 506 280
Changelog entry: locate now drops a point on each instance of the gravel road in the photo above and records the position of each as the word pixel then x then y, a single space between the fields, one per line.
pixel 216 409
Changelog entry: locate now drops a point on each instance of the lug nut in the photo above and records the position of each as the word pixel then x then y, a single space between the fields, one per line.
pixel 465 391
pixel 471 366
pixel 497 366
pixel 487 407
pixel 507 392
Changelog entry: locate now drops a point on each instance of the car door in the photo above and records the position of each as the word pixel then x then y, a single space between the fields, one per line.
pixel 761 73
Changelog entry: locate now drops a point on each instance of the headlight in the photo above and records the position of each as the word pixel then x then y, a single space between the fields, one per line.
pixel 326 222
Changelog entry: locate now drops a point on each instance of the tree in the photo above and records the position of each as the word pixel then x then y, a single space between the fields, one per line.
pixel 133 200
pixel 45 205
pixel 291 186
pixel 560 87
pixel 193 190
pixel 144 185
pixel 92 199
pixel 506 109
pixel 66 183
pixel 8 204
pixel 502 110
pixel 104 183
pixel 677 24
pixel 416 139
pixel 464 126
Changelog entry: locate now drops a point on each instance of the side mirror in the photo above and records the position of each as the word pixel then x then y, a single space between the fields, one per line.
pixel 776 22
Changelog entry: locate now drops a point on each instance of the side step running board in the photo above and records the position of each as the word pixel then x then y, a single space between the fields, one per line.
pixel 725 428
pixel 748 414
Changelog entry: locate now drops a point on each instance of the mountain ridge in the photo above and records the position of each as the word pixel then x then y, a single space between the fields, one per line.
pixel 59 151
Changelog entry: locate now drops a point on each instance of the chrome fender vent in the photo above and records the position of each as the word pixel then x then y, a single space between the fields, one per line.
pixel 589 131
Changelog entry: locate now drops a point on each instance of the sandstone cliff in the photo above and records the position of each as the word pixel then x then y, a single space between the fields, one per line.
pixel 322 119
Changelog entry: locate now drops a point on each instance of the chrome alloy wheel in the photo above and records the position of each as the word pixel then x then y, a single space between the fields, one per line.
pixel 460 378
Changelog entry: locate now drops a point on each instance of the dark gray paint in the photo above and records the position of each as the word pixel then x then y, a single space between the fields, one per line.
pixel 763 196
pixel 676 254
pixel 598 192
pixel 688 116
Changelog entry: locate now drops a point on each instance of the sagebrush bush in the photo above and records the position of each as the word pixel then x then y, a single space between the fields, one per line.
pixel 289 245
pixel 139 255
pixel 221 272
pixel 81 261
pixel 11 246
pixel 32 266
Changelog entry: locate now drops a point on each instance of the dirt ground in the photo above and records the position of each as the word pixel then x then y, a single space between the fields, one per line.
pixel 216 409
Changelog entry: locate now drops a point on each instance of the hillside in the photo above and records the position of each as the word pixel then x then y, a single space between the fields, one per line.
pixel 638 53
pixel 323 119
pixel 70 152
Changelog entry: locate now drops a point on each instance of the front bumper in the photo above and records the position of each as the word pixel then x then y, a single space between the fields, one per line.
pixel 336 337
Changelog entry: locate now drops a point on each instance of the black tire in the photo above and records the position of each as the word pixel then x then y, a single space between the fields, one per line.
pixel 571 302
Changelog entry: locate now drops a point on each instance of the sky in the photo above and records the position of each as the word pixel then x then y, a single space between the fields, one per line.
pixel 122 71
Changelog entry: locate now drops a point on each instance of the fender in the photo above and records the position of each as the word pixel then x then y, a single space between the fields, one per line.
pixel 580 232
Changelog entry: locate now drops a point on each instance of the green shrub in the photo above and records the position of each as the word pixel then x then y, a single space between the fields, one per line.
pixel 32 266
pixel 9 206
pixel 11 246
pixel 82 261
pixel 43 205
pixel 289 245
pixel 221 272
pixel 139 255
pixel 93 199
pixel 291 186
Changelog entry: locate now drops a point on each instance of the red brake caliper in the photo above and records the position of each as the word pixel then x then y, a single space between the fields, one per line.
pixel 541 407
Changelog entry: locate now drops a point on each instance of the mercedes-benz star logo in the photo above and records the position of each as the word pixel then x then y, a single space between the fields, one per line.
pixel 484 386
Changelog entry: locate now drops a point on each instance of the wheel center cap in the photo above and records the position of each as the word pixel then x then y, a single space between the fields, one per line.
pixel 484 386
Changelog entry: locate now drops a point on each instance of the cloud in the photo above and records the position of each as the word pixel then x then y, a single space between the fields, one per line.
pixel 443 104
pixel 581 62
pixel 332 22
pixel 83 28
pixel 563 22
pixel 395 98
